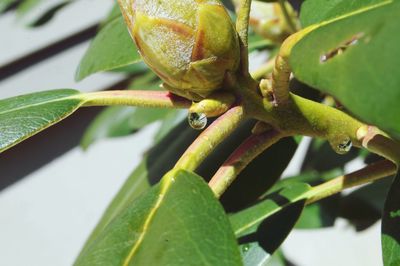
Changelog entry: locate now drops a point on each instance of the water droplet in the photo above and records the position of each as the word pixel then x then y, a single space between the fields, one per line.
pixel 323 58
pixel 343 146
pixel 197 121
pixel 245 247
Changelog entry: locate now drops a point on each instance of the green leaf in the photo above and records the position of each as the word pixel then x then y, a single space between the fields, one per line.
pixel 248 220
pixel 355 57
pixel 178 222
pixel 317 11
pixel 47 15
pixel 111 48
pixel 4 4
pixel 321 157
pixel 364 206
pixel 320 214
pixel 391 225
pixel 158 161
pixel 263 227
pixel 23 116
pixel 27 5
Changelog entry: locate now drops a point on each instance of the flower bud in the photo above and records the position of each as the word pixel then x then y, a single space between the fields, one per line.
pixel 190 44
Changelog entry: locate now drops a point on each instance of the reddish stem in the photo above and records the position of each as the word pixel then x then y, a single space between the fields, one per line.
pixel 240 158
pixel 161 99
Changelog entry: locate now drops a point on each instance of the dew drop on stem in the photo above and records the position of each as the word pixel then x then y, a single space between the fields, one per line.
pixel 343 146
pixel 197 121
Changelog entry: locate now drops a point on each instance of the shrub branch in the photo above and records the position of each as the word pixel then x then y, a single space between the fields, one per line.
pixel 240 158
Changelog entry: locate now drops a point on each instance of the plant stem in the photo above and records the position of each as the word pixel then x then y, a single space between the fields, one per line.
pixel 379 142
pixel 210 138
pixel 368 174
pixel 288 19
pixel 240 158
pixel 242 27
pixel 161 99
pixel 214 105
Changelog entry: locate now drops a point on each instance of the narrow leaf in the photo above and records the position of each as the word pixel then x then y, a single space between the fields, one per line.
pixel 178 222
pixel 262 228
pixel 111 48
pixel 249 219
pixel 158 161
pixel 23 116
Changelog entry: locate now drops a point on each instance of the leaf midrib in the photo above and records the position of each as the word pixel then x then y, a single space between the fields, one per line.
pixel 72 97
pixel 163 190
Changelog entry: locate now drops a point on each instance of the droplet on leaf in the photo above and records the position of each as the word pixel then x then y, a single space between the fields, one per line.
pixel 197 121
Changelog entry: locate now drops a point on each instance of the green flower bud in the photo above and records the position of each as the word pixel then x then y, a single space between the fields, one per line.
pixel 190 44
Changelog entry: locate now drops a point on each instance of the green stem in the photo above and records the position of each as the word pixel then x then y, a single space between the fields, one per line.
pixel 214 105
pixel 210 138
pixel 379 142
pixel 161 99
pixel 242 27
pixel 240 158
pixel 282 69
pixel 366 175
pixel 288 18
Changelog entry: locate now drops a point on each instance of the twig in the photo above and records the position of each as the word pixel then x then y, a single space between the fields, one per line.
pixel 210 138
pixel 240 158
pixel 242 27
pixel 161 99
pixel 368 174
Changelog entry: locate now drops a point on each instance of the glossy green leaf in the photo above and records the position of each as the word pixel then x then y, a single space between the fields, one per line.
pixel 391 225
pixel 23 116
pixel 111 48
pixel 319 214
pixel 355 57
pixel 247 220
pixel 317 11
pixel 178 222
pixel 262 228
pixel 158 161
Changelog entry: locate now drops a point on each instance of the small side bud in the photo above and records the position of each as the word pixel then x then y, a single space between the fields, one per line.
pixel 216 104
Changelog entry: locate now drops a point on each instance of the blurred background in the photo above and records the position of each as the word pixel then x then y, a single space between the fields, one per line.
pixel 52 192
